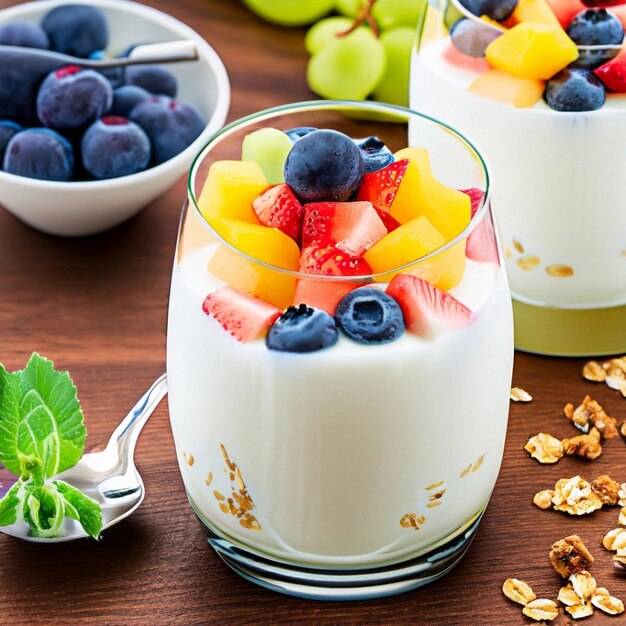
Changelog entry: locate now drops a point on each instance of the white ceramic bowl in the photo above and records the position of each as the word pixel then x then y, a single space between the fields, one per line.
pixel 85 208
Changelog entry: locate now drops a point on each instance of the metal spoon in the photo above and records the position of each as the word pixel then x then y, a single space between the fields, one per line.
pixel 109 477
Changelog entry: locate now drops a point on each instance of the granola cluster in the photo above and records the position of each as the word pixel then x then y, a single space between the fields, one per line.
pixel 579 597
pixel 611 372
pixel 577 496
pixel 591 415
pixel 615 540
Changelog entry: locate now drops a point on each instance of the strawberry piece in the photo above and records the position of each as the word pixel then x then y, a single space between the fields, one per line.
pixel 389 221
pixel 353 227
pixel 464 61
pixel 480 245
pixel 380 187
pixel 426 308
pixel 329 261
pixel 565 10
pixel 613 73
pixel 245 317
pixel 279 208
pixel 322 294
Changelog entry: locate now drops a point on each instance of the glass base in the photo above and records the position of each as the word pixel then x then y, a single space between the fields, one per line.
pixel 346 584
pixel 569 332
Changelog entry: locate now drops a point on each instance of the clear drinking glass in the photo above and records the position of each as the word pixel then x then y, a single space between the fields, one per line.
pixel 558 189
pixel 359 470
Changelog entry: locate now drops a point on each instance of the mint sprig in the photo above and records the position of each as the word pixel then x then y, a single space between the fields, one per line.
pixel 42 434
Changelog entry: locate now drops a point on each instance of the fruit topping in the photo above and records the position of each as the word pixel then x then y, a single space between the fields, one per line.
pixel 613 73
pixel 279 208
pixel 375 153
pixel 565 10
pixel 532 50
pixel 495 9
pixel 297 133
pixel 126 98
pixel 369 316
pixel 113 147
pixel 170 125
pixel 329 261
pixel 322 294
pixel 595 27
pixel 427 309
pixel 246 318
pixel 153 78
pixel 353 227
pixel 534 11
pixel 7 130
pixel 25 34
pixel 575 89
pixel 76 29
pixel 501 86
pixel 302 329
pixel 269 147
pixel 324 165
pixel 480 244
pixel 39 153
pixel 471 37
pixel 380 187
pixel 72 98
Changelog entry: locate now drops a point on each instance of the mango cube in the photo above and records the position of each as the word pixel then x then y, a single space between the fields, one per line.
pixel 411 241
pixel 532 50
pixel 501 86
pixel 229 190
pixel 534 11
pixel 420 194
pixel 268 245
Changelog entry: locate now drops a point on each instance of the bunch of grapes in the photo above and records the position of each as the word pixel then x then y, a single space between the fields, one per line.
pixel 362 50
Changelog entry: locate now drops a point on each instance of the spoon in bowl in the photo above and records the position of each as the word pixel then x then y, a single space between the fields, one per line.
pixel 110 476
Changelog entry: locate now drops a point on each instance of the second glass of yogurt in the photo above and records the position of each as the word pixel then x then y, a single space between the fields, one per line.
pixel 558 187
pixel 333 463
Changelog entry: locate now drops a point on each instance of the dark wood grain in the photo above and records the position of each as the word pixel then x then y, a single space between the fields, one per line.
pixel 97 306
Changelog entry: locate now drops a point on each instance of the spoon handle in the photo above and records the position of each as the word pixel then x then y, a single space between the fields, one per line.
pixel 124 437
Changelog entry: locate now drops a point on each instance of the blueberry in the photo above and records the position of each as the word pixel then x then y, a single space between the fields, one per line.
pixel 23 33
pixel 472 38
pixel 375 153
pixel 595 27
pixel 152 78
pixel 115 75
pixel 113 147
pixel 170 125
pixel 298 132
pixel 76 29
pixel 495 9
pixel 574 89
pixel 39 153
pixel 370 316
pixel 71 98
pixel 302 329
pixel 126 98
pixel 324 165
pixel 7 130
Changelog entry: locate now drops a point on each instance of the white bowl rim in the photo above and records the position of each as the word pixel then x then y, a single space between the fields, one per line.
pixel 207 53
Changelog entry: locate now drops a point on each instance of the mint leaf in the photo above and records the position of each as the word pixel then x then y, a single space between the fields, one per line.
pixel 40 417
pixel 81 508
pixel 9 506
pixel 44 511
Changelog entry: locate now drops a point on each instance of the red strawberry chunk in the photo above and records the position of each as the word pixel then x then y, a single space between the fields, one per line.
pixel 390 222
pixel 322 294
pixel 380 187
pixel 279 208
pixel 481 245
pixel 613 73
pixel 245 317
pixel 426 308
pixel 329 261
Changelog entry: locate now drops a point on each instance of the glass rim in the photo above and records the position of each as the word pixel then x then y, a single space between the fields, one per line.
pixel 320 105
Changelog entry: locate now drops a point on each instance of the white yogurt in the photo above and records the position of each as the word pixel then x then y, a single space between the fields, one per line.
pixel 337 447
pixel 558 187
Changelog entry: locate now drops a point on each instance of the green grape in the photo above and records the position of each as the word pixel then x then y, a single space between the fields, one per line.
pixel 350 8
pixel 269 147
pixel 290 12
pixel 394 85
pixel 394 13
pixel 322 33
pixel 348 67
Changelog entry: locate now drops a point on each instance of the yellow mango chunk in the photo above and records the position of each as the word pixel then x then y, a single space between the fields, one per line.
pixel 229 190
pixel 420 194
pixel 534 11
pixel 532 50
pixel 501 86
pixel 411 241
pixel 265 244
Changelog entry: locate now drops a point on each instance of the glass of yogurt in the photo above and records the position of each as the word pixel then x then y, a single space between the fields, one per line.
pixel 558 187
pixel 339 395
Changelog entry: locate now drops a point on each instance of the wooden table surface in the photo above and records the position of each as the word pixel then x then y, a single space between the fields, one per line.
pixel 97 307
